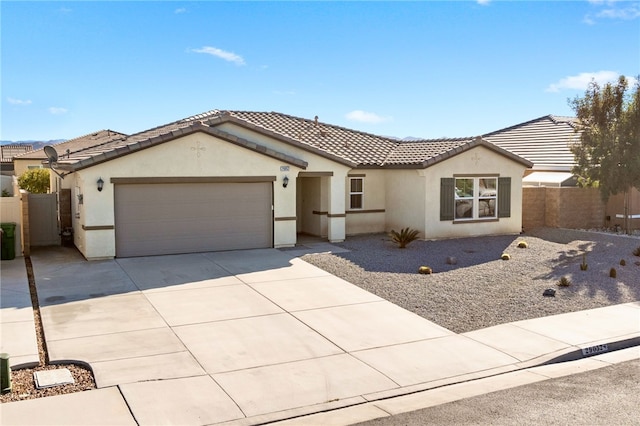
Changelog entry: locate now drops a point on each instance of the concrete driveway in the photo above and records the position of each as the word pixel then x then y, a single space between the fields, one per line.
pixel 258 334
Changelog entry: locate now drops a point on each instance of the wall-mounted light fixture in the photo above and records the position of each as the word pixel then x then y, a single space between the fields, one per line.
pixel 285 181
pixel 100 184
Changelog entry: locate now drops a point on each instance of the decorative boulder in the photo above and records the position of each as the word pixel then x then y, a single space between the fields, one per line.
pixel 549 293
pixel 425 270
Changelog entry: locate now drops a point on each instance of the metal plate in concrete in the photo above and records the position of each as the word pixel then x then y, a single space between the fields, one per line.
pixel 51 378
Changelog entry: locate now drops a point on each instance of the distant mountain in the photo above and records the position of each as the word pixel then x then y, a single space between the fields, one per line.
pixel 36 144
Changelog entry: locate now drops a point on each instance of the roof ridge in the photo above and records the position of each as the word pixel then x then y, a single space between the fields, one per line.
pixel 548 116
pixel 334 126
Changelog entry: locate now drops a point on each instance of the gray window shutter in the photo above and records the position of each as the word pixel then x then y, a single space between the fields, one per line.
pixel 504 197
pixel 447 201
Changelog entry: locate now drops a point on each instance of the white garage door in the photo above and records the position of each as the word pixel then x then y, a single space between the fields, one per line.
pixel 155 219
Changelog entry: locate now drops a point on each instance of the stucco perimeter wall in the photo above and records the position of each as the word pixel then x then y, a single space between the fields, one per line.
pixel 372 217
pixel 478 161
pixel 564 207
pixel 195 155
pixel 616 206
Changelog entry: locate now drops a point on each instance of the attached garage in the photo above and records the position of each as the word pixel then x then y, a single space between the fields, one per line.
pixel 165 216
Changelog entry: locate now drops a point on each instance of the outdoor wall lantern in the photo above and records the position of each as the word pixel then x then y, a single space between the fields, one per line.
pixel 100 184
pixel 285 182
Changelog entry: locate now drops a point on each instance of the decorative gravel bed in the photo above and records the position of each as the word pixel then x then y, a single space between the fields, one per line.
pixel 481 290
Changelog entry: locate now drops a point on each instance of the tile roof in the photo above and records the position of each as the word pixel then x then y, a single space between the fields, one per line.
pixel 9 152
pixel 66 148
pixel 346 146
pixel 545 141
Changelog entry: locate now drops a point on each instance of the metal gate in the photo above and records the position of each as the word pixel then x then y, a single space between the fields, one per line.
pixel 43 220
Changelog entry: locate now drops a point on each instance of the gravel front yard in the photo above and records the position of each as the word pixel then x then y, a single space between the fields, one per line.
pixel 481 290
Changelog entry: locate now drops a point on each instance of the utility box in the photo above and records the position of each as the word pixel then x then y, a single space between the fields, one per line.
pixel 8 249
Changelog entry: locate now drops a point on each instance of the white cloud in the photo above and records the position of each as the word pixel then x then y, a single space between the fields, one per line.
pixel 582 80
pixel 483 2
pixel 57 110
pixel 284 92
pixel 222 54
pixel 14 101
pixel 366 117
pixel 611 9
pixel 180 10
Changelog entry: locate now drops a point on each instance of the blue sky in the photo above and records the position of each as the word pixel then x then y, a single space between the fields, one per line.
pixel 424 69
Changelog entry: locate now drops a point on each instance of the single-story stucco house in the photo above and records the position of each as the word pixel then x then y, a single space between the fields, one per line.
pixel 225 180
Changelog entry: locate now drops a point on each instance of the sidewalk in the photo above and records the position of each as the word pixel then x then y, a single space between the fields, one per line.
pixel 18 337
pixel 300 351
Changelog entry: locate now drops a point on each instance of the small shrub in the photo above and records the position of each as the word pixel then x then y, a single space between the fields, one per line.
pixel 35 181
pixel 564 282
pixel 583 265
pixel 523 244
pixel 613 273
pixel 623 262
pixel 404 237
pixel 505 256
pixel 6 193
pixel 425 270
pixel 636 252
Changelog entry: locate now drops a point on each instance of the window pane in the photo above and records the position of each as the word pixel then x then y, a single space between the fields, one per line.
pixel 356 185
pixel 464 209
pixel 488 187
pixel 464 188
pixel 356 201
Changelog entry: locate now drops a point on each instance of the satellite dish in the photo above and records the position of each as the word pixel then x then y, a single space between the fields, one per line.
pixel 52 157
pixel 51 153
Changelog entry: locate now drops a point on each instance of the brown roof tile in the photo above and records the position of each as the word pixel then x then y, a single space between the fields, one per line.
pixel 545 141
pixel 346 146
pixel 77 144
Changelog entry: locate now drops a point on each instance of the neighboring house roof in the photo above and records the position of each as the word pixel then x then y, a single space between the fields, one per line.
pixel 545 141
pixel 9 152
pixel 66 148
pixel 350 147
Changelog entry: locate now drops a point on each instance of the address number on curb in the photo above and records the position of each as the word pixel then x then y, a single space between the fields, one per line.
pixel 591 350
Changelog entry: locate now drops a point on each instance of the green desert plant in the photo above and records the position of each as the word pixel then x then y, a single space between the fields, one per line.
pixel 564 282
pixel 523 244
pixel 636 251
pixel 505 256
pixel 583 265
pixel 425 270
pixel 613 273
pixel 404 237
pixel 35 181
pixel 623 262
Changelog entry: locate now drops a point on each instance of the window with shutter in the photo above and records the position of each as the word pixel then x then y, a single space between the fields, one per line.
pixel 447 198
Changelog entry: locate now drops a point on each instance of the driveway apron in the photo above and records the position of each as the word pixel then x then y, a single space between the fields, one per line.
pixel 215 337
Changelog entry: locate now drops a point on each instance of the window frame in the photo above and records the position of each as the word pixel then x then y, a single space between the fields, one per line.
pixel 476 198
pixel 353 193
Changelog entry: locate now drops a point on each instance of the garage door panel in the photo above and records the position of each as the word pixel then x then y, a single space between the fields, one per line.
pixel 186 218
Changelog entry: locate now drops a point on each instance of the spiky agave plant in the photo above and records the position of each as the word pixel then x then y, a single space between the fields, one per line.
pixel 404 237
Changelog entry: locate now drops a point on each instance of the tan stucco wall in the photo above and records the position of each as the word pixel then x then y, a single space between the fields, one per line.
pixel 21 166
pixel 405 200
pixel 368 219
pixel 477 161
pixel 335 185
pixel 195 155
